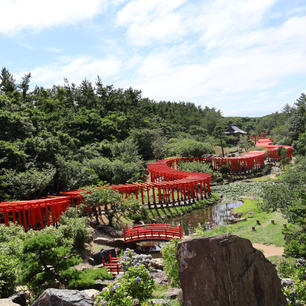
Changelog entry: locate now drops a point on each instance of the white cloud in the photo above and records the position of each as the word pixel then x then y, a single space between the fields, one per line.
pixel 152 20
pixel 149 21
pixel 225 18
pixel 16 15
pixel 258 60
pixel 75 70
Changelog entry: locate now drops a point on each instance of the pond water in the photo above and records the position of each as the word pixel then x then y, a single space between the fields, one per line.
pixel 208 217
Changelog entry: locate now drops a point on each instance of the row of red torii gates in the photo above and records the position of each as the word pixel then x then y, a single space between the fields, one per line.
pixel 168 186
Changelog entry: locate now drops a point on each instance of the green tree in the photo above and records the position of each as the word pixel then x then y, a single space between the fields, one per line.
pixel 24 85
pixel 297 119
pixel 106 198
pixel 187 147
pixel 25 185
pixel 7 82
pixel 45 264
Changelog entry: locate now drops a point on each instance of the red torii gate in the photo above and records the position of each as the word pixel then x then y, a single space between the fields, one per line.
pixel 34 213
pixel 168 185
pixel 272 150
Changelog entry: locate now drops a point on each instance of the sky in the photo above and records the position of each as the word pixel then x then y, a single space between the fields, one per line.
pixel 243 57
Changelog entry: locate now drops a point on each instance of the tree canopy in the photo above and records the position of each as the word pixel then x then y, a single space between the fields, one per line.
pixel 65 137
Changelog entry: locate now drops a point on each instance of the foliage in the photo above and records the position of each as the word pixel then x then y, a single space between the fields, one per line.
pixel 286 267
pixel 117 171
pixel 299 144
pixel 289 196
pixel 187 147
pixel 43 258
pixel 295 293
pixel 74 228
pixel 195 166
pixel 72 174
pixel 86 278
pixel 8 232
pixel 244 142
pixel 295 289
pixel 286 127
pixel 45 263
pixel 224 170
pixel 11 240
pixel 170 262
pixel 114 205
pixel 8 270
pixel 136 283
pixel 106 197
pixel 28 184
pixel 295 237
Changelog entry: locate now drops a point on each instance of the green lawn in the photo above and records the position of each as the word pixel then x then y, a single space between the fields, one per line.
pixel 265 178
pixel 266 233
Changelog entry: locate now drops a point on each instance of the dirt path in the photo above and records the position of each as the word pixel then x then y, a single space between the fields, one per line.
pixel 269 250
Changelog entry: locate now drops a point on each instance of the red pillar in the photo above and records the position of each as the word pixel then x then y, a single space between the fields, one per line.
pixel 141 190
pixel 153 191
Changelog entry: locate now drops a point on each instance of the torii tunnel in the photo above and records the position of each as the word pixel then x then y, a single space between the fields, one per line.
pixel 272 150
pixel 168 186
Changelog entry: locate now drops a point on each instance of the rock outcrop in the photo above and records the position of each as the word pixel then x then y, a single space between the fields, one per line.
pixel 226 270
pixel 63 297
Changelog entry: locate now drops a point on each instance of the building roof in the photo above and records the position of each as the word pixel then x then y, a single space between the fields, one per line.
pixel 233 129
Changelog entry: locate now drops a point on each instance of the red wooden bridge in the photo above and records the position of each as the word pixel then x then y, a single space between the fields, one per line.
pixel 168 186
pixel 163 232
pixel 138 233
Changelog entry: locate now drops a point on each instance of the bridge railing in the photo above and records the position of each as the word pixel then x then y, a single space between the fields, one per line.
pixel 152 232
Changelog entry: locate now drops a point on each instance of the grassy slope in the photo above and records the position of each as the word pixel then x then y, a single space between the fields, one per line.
pixel 265 233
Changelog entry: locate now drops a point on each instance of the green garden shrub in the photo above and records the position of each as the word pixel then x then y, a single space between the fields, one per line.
pixel 86 278
pixel 45 263
pixel 135 283
pixel 170 261
pixel 74 228
pixel 8 270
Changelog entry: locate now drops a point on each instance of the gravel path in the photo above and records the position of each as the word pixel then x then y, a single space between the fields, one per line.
pixel 269 250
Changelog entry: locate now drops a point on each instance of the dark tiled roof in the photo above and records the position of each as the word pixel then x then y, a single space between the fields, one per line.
pixel 233 129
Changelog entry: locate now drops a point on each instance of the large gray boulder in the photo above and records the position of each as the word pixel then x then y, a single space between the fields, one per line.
pixel 63 297
pixel 226 270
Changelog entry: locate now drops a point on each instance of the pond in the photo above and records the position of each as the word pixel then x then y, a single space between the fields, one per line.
pixel 209 217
